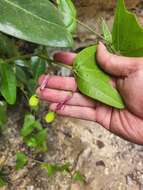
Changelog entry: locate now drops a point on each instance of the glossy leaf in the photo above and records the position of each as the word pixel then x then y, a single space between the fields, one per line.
pixel 127 34
pixel 8 82
pixel 68 10
pixel 34 21
pixel 3 113
pixel 21 160
pixel 106 32
pixel 21 75
pixel 38 66
pixel 32 84
pixel 92 81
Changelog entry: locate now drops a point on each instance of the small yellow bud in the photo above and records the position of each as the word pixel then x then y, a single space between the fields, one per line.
pixel 50 116
pixel 33 101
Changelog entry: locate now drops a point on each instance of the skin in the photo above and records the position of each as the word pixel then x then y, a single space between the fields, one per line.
pixel 127 77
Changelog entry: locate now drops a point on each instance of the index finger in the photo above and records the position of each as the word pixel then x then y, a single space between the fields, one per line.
pixel 65 57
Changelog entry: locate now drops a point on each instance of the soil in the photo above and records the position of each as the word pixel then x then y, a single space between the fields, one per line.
pixel 106 161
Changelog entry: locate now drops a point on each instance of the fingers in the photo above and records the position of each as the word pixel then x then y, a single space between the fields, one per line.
pixel 116 65
pixel 65 57
pixel 76 112
pixel 58 96
pixel 61 83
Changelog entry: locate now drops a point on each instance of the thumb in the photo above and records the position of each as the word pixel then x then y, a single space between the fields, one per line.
pixel 116 65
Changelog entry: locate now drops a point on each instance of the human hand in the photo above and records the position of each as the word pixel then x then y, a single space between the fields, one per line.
pixel 128 77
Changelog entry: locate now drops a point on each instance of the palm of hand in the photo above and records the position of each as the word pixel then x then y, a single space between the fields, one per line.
pixel 126 123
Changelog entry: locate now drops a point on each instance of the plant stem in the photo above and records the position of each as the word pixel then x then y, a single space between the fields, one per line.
pixel 90 29
pixel 55 62
pixel 26 56
pixel 37 161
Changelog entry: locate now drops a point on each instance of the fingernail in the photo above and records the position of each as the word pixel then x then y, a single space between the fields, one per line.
pixel 102 44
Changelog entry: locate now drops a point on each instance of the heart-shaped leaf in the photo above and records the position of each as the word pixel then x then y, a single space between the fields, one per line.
pixel 92 81
pixel 127 34
pixel 35 21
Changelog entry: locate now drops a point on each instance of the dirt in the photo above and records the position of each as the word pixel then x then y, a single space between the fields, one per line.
pixel 106 161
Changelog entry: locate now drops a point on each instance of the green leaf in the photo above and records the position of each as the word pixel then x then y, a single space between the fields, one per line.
pixel 32 84
pixel 40 137
pixel 52 169
pixel 127 34
pixel 34 21
pixel 106 32
pixel 3 181
pixel 8 82
pixel 65 167
pixel 35 139
pixel 92 81
pixel 78 177
pixel 28 125
pixel 68 10
pixel 3 113
pixel 31 141
pixel 21 160
pixel 20 75
pixel 7 46
pixel 38 66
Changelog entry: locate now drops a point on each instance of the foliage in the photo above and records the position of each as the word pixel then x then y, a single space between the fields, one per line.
pixel 44 25
pixel 78 177
pixel 21 160
pixel 106 32
pixel 127 34
pixel 54 168
pixel 92 81
pixel 3 115
pixel 8 82
pixel 41 22
pixel 34 135
pixel 69 14
pixel 3 180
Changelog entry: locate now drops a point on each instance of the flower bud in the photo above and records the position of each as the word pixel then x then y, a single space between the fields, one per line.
pixel 50 116
pixel 33 101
